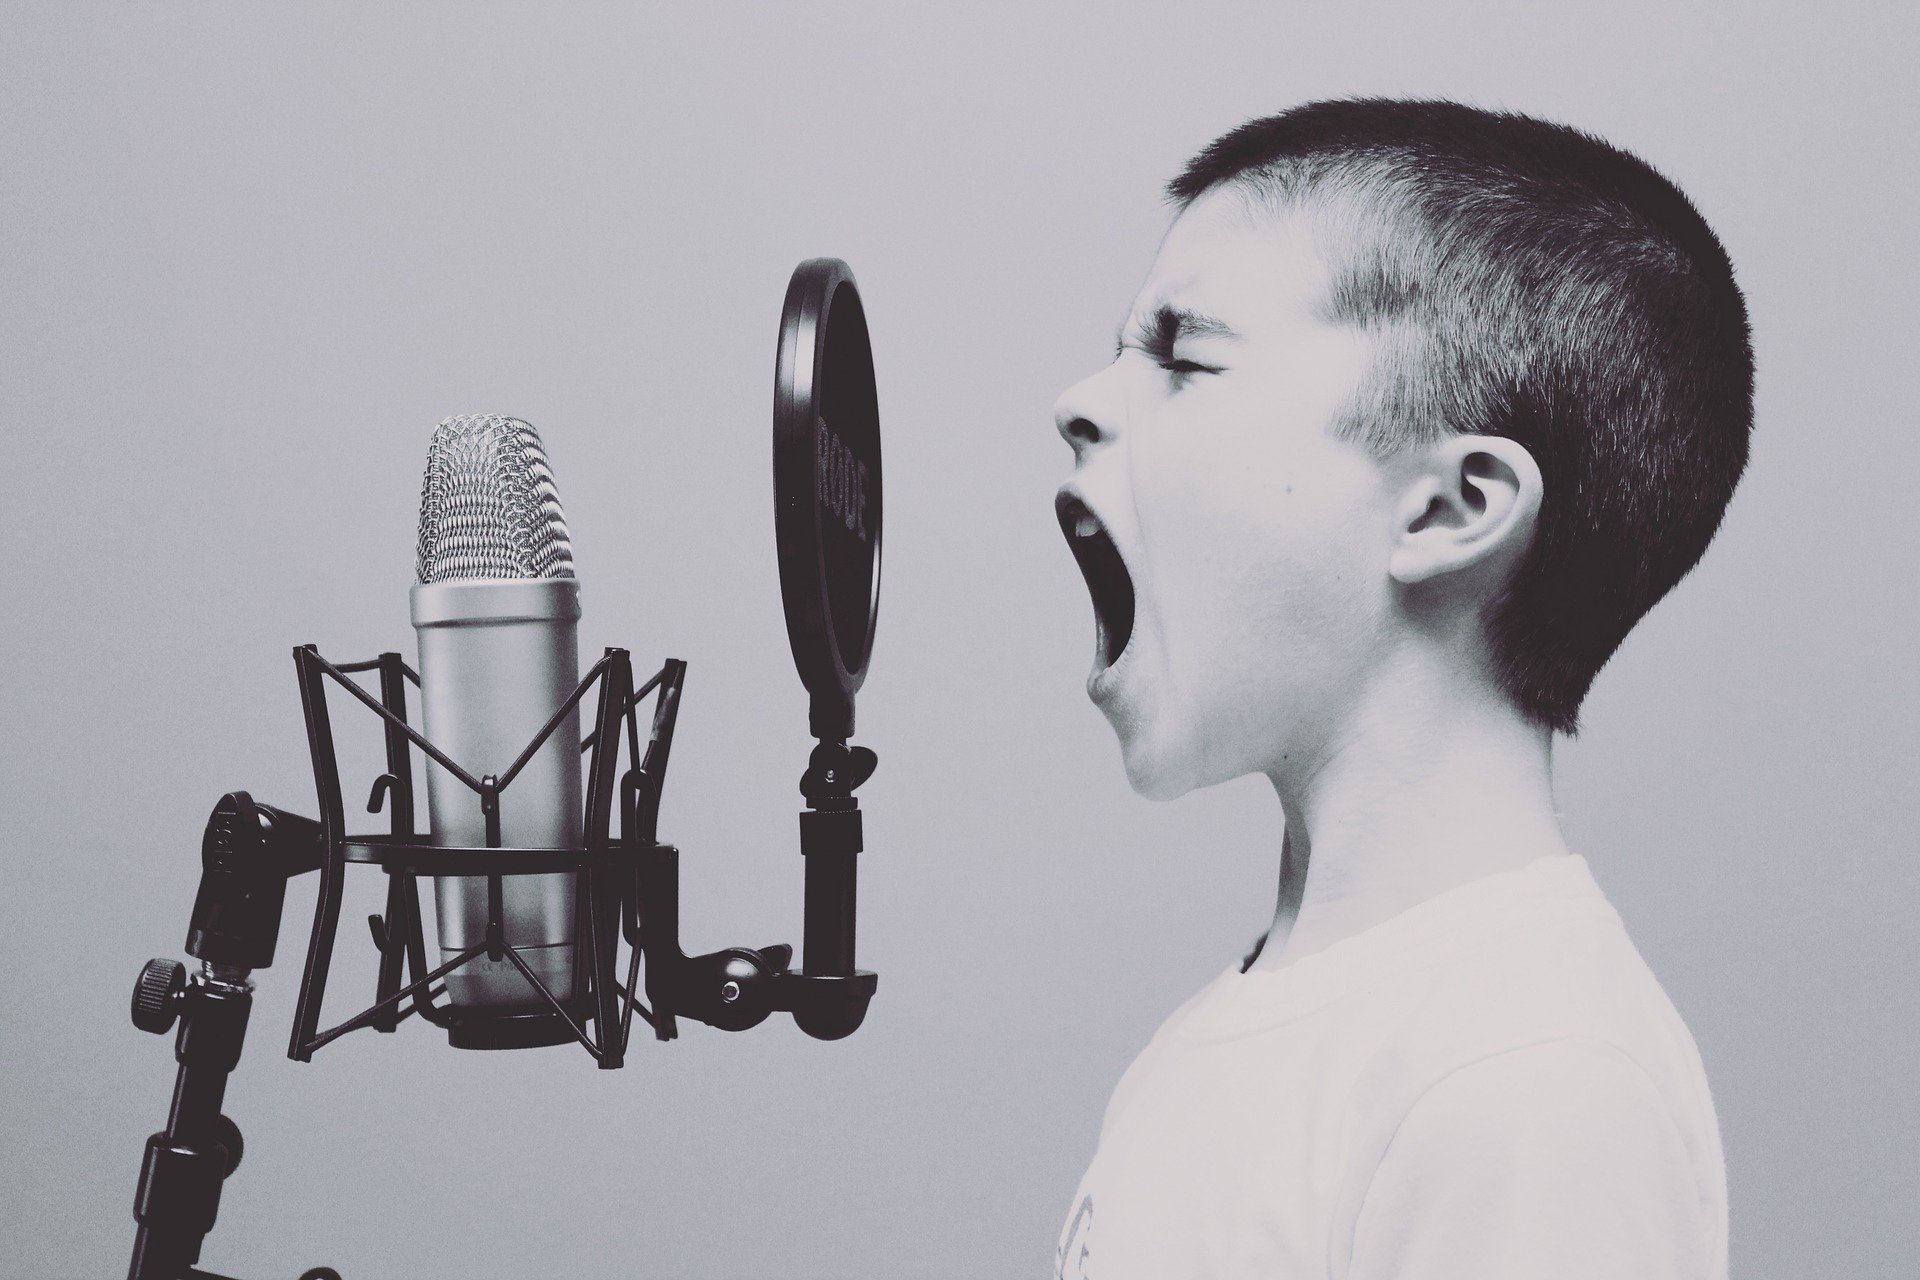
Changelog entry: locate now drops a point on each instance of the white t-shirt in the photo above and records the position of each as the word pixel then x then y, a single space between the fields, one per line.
pixel 1489 1086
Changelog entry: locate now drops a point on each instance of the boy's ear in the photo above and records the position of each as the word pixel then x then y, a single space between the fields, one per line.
pixel 1469 501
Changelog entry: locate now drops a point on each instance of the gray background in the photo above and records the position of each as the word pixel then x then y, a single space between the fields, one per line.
pixel 252 253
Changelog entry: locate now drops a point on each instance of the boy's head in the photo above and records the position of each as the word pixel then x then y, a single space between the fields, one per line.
pixel 1402 373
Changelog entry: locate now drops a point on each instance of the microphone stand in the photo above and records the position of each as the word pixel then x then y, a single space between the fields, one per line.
pixel 630 887
pixel 249 853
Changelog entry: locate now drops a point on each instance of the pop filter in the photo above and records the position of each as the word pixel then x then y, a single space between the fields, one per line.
pixel 826 488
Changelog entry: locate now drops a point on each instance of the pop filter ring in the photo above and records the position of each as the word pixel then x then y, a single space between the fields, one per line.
pixel 827 490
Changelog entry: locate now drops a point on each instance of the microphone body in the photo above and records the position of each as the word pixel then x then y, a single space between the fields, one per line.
pixel 497 612
pixel 497 657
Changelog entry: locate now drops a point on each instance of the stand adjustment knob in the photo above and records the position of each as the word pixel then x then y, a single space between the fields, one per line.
pixel 227 1134
pixel 156 996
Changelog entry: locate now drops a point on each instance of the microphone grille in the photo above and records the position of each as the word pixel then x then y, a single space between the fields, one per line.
pixel 488 506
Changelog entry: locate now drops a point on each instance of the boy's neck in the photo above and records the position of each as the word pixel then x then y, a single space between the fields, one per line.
pixel 1424 788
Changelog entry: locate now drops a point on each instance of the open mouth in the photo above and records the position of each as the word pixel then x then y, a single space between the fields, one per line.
pixel 1106 574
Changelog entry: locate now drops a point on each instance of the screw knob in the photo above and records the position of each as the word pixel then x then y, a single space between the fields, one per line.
pixel 156 996
pixel 227 1134
pixel 744 999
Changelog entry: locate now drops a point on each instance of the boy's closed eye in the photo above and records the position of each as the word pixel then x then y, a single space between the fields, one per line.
pixel 1158 338
pixel 1184 368
pixel 1173 364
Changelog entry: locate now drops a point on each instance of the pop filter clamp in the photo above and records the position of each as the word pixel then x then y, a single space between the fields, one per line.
pixel 827 521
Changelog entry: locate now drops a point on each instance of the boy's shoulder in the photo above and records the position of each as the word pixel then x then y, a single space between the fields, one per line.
pixel 1523 957
pixel 1541 958
pixel 1542 1044
pixel 1524 971
pixel 1499 1044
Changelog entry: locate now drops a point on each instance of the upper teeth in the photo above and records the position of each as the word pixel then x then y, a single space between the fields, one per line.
pixel 1086 527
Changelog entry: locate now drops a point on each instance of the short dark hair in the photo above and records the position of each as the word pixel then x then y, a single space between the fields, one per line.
pixel 1531 281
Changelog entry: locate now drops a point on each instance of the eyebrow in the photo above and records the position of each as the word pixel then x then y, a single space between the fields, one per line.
pixel 1170 324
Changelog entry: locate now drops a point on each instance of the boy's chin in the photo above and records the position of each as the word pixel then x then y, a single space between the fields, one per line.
pixel 1157 784
pixel 1158 769
pixel 1165 764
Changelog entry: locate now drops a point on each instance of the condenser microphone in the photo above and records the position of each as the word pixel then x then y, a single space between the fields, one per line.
pixel 497 612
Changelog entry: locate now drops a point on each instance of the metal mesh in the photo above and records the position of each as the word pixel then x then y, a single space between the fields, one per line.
pixel 488 506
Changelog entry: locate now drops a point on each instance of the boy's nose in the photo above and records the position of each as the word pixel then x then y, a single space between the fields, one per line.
pixel 1087 413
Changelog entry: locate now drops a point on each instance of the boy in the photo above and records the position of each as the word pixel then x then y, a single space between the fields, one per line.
pixel 1420 409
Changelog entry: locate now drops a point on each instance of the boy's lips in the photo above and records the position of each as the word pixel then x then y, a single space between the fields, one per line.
pixel 1105 570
